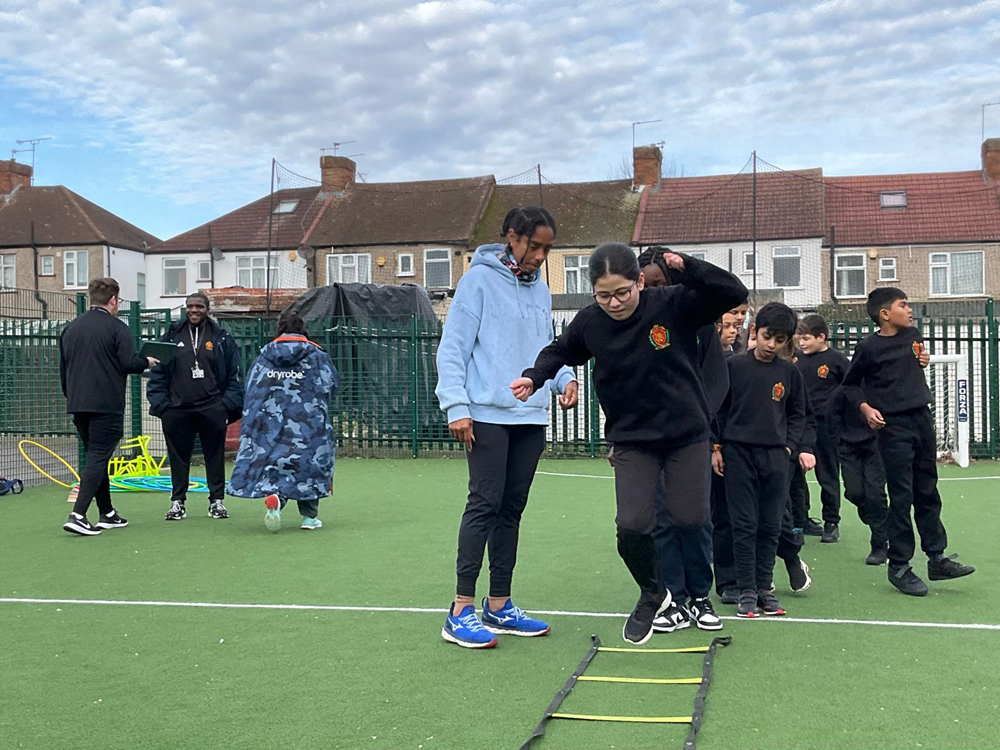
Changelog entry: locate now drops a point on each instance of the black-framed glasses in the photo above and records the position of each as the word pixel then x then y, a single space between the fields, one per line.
pixel 622 295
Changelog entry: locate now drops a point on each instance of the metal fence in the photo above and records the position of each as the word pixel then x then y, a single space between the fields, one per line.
pixel 386 405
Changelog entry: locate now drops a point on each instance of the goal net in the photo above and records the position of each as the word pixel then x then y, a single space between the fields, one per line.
pixel 948 378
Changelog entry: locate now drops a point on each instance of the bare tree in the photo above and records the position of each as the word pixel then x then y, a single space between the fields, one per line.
pixel 622 169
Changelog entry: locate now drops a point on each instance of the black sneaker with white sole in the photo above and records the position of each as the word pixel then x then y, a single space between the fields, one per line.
pixel 798 574
pixel 673 618
pixel 176 512
pixel 112 521
pixel 703 614
pixel 944 568
pixel 748 604
pixel 879 554
pixel 904 579
pixel 831 533
pixel 218 510
pixel 769 604
pixel 638 627
pixel 77 524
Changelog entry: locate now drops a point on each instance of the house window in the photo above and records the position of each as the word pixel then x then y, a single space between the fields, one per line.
pixel 8 272
pixel 957 274
pixel 887 269
pixel 349 268
pixel 404 265
pixel 140 288
pixel 748 262
pixel 285 207
pixel 437 269
pixel 48 266
pixel 787 269
pixel 698 255
pixel 250 271
pixel 204 270
pixel 577 279
pixel 75 269
pixel 893 198
pixel 174 277
pixel 850 276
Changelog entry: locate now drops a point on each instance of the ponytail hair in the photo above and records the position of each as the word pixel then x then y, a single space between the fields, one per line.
pixel 613 258
pixel 524 221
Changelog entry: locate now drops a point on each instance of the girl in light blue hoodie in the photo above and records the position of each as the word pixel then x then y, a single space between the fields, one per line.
pixel 498 322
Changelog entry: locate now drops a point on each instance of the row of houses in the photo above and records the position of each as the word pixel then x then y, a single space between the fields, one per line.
pixel 810 238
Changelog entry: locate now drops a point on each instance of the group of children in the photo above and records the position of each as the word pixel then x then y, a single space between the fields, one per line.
pixel 712 429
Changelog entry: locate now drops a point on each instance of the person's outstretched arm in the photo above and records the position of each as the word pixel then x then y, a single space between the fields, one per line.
pixel 569 349
pixel 709 291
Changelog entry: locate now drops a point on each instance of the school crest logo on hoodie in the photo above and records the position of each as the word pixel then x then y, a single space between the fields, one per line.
pixel 659 337
pixel 778 392
pixel 823 370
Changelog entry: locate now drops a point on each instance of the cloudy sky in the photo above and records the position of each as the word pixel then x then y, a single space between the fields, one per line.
pixel 168 113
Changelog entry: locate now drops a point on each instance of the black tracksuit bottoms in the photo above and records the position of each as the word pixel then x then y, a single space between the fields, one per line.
pixel 180 426
pixel 788 547
pixel 798 496
pixel 827 471
pixel 757 493
pixel 502 465
pixel 100 434
pixel 909 454
pixel 723 559
pixel 864 486
pixel 685 472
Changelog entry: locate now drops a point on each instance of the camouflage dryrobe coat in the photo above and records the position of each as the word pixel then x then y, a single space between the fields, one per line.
pixel 286 439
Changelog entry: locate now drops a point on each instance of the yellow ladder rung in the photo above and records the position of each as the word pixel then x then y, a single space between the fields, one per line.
pixel 644 681
pixel 635 719
pixel 691 650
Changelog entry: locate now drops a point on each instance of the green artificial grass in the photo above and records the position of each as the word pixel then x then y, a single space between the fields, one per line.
pixel 113 676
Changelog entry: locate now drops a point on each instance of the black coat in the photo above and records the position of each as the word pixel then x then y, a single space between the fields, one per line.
pixel 226 364
pixel 96 354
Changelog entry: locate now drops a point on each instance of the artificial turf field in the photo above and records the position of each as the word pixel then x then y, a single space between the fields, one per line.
pixel 105 675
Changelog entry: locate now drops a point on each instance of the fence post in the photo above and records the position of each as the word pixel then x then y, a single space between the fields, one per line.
pixel 413 386
pixel 994 339
pixel 135 326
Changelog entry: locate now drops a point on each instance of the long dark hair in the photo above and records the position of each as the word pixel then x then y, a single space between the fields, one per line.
pixel 525 220
pixel 613 258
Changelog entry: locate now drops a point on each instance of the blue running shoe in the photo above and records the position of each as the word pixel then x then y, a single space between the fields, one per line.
pixel 466 630
pixel 311 523
pixel 512 620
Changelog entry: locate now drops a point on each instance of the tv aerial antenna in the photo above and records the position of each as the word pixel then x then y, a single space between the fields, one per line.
pixel 335 147
pixel 33 142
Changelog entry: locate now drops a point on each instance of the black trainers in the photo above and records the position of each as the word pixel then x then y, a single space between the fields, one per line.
pixel 748 604
pixel 730 595
pixel 703 614
pixel 217 510
pixel 176 512
pixel 77 524
pixel 879 554
pixel 639 626
pixel 798 574
pixel 673 618
pixel 768 603
pixel 904 579
pixel 112 521
pixel 812 527
pixel 831 533
pixel 942 568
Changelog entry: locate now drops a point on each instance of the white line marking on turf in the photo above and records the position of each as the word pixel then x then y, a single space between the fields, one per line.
pixel 601 476
pixel 439 610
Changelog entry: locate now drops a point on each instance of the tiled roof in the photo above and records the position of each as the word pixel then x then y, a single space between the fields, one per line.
pixel 586 213
pixel 720 208
pixel 941 207
pixel 62 217
pixel 403 212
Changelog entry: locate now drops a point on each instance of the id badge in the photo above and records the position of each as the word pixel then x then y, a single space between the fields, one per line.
pixel 197 373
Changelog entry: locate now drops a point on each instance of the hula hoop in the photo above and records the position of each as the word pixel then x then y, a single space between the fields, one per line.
pixel 154 484
pixel 39 469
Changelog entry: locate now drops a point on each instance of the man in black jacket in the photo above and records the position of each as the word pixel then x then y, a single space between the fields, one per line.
pixel 96 354
pixel 198 393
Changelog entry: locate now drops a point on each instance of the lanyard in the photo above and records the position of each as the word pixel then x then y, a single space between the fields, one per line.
pixel 195 334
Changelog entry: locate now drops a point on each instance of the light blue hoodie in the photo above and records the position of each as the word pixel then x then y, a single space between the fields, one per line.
pixel 496 326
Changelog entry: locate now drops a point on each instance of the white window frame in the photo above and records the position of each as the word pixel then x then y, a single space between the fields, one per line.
pixel 439 261
pixel 947 264
pixel 748 267
pixel 892 199
pixel 8 263
pixel 399 265
pixel 51 263
pixel 204 270
pixel 286 207
pixel 863 268
pixel 249 264
pixel 353 258
pixel 888 263
pixel 140 288
pixel 788 251
pixel 175 264
pixel 581 271
pixel 699 255
pixel 73 257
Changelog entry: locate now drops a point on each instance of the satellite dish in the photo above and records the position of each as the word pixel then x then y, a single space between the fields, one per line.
pixel 217 254
pixel 307 252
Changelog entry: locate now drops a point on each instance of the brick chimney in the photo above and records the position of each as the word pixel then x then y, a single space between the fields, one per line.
pixel 12 175
pixel 991 160
pixel 338 172
pixel 646 164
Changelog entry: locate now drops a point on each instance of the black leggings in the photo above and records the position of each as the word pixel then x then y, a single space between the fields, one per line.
pixel 100 434
pixel 502 465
